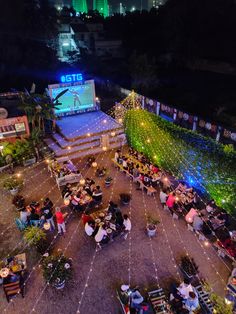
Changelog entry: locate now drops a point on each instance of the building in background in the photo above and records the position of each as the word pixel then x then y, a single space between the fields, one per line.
pixel 80 5
pixel 59 4
pixel 66 43
pixel 101 6
pixel 155 3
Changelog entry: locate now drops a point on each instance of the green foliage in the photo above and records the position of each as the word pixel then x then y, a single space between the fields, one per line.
pixel 220 306
pixel 152 221
pixel 57 268
pixel 22 150
pixel 13 183
pixel 200 161
pixel 34 235
pixel 188 265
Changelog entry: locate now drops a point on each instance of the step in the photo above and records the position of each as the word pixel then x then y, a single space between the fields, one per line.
pixel 74 149
pixel 85 153
pixel 93 137
pixel 65 143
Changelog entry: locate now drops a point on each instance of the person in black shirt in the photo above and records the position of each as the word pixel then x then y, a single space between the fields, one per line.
pixel 47 212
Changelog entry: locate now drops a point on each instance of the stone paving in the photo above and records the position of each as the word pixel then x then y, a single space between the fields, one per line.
pixel 93 288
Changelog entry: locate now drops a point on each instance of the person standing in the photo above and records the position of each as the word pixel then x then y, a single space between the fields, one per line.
pixel 47 212
pixel 127 225
pixel 60 218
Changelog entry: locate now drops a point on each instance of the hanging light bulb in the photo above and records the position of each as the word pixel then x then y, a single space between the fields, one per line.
pixel 113 134
pixel 82 181
pixel 94 164
pixel 88 134
pixel 104 148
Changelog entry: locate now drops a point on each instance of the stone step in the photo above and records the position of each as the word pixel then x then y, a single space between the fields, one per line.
pixel 85 153
pixel 64 143
pixel 89 146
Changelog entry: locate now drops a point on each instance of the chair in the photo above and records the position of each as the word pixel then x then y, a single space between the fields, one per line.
pixel 20 225
pixel 12 289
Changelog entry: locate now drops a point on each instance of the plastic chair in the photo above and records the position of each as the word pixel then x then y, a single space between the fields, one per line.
pixel 13 288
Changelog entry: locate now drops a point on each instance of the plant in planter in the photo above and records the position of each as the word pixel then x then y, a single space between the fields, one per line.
pixel 188 266
pixel 152 226
pixel 57 269
pixel 125 198
pixel 13 184
pixel 108 181
pixel 36 237
pixel 18 201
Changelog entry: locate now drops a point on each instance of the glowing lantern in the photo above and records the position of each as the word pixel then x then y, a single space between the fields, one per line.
pixel 113 134
pixel 94 164
pixel 104 148
pixel 82 181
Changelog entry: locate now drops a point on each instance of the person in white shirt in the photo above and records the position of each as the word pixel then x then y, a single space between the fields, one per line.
pixel 127 226
pixel 163 197
pixel 117 155
pixel 184 288
pixel 24 214
pixel 88 228
pixel 101 236
pixel 124 164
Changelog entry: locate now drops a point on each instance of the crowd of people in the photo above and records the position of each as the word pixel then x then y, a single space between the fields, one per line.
pixel 98 229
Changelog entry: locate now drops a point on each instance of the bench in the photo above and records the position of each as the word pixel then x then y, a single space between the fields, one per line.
pixel 157 299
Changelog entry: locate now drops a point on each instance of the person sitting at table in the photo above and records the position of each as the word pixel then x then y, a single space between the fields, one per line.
pixel 197 222
pixel 24 215
pixel 136 171
pixel 124 164
pixel 66 190
pixel 101 236
pixel 90 228
pixel 75 201
pixel 119 219
pixel 86 217
pixel 36 206
pixel 210 208
pixel 170 200
pixel 97 194
pixel 146 180
pixel 47 203
pixel 224 217
pixel 163 197
pixel 34 218
pixel 117 156
pixel 89 181
pixel 190 215
pixel 191 303
pixel 111 208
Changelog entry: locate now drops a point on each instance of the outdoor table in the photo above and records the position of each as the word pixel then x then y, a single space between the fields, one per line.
pixel 15 264
pixel 102 217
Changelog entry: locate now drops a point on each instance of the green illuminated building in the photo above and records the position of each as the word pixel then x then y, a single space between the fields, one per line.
pixel 101 6
pixel 80 5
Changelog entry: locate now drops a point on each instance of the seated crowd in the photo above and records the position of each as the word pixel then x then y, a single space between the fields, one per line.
pixel 60 171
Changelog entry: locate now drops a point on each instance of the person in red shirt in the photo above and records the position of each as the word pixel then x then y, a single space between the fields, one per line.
pixel 60 221
pixel 86 217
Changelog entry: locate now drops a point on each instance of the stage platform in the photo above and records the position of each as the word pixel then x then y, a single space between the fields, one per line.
pixel 92 122
pixel 85 134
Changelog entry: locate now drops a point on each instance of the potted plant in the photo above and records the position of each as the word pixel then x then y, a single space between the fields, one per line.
pixel 57 269
pixel 18 201
pixel 36 237
pixel 125 198
pixel 188 267
pixel 108 181
pixel 13 184
pixel 152 226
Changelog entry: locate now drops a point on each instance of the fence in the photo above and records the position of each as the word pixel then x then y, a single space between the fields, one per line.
pixel 186 120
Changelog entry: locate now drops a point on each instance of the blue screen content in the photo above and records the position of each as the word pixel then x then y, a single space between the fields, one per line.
pixel 78 98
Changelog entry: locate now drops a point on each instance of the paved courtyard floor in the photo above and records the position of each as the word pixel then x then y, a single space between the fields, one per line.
pixel 146 262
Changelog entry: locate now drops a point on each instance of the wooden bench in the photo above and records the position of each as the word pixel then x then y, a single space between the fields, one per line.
pixel 157 299
pixel 204 299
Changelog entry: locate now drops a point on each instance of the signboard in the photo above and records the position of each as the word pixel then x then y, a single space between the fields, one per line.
pixel 71 78
pixel 14 127
pixel 79 98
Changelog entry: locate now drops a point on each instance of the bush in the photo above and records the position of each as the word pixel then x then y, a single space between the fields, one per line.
pixel 34 236
pixel 13 183
pixel 188 265
pixel 125 198
pixel 57 268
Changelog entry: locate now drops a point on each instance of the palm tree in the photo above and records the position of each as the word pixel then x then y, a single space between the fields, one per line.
pixel 39 108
